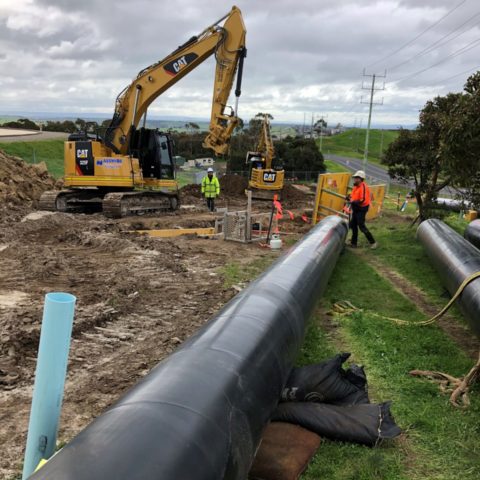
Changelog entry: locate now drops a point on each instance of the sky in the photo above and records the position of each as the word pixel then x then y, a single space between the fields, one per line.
pixel 305 57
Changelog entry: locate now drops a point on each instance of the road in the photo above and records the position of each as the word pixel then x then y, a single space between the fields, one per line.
pixel 354 164
pixel 33 137
pixel 376 174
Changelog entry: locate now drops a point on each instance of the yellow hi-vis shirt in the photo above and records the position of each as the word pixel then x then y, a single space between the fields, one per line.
pixel 210 188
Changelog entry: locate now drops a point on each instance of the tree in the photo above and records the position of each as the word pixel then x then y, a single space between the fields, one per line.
pixel 411 158
pixel 320 125
pixel 461 140
pixel 23 123
pixel 300 154
pixel 422 156
pixel 192 127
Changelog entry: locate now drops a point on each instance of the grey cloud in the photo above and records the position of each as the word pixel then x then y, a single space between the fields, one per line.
pixel 304 55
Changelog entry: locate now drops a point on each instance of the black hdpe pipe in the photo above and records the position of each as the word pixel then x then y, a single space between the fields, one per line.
pixel 472 233
pixel 199 414
pixel 455 259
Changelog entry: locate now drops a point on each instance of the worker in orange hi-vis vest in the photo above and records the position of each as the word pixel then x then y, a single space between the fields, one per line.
pixel 360 201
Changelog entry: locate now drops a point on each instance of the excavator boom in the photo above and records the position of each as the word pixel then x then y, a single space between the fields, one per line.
pixel 226 42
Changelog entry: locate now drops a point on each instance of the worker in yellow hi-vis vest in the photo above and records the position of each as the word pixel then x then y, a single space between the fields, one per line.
pixel 210 188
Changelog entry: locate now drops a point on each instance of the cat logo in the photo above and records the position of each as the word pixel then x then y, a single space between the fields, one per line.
pixel 82 153
pixel 177 65
pixel 269 177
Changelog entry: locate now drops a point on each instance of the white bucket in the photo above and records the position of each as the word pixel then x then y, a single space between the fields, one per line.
pixel 275 242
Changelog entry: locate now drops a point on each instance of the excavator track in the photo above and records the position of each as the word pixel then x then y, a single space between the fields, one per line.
pixel 71 201
pixel 48 201
pixel 122 204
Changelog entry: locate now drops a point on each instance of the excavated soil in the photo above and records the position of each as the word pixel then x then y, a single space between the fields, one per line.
pixel 138 298
pixel 21 183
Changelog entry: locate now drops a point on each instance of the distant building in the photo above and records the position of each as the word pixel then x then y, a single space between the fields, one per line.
pixel 200 162
pixel 179 161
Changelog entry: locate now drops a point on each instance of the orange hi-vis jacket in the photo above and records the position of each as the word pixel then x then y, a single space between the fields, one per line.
pixel 360 195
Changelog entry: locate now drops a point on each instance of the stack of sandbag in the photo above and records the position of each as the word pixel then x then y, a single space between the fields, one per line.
pixel 333 402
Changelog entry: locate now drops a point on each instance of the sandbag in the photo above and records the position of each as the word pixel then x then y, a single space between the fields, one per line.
pixel 365 424
pixel 327 382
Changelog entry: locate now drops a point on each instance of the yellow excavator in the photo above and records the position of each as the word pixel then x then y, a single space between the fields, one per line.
pixel 130 169
pixel 265 181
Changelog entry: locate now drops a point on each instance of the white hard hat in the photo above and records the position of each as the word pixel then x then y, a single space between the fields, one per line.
pixel 359 174
pixel 209 169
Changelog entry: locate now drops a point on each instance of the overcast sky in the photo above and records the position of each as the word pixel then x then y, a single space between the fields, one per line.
pixel 304 56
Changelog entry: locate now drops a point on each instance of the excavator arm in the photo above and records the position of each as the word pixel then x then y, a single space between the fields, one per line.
pixel 227 43
pixel 265 143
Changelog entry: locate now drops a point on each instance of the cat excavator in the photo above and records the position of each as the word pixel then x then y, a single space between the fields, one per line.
pixel 130 169
pixel 264 181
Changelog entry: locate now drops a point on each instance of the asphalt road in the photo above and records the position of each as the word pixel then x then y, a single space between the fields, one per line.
pixel 354 164
pixel 34 137
pixel 376 174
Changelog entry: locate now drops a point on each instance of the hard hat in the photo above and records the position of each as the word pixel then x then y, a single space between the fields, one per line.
pixel 209 170
pixel 359 174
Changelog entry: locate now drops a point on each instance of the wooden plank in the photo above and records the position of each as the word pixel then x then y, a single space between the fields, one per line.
pixel 176 232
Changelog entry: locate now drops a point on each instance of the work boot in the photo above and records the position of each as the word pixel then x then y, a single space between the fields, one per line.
pixel 373 246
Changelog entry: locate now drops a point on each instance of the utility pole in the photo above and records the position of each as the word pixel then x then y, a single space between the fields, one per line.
pixel 381 144
pixel 303 128
pixel 311 128
pixel 370 103
pixel 321 130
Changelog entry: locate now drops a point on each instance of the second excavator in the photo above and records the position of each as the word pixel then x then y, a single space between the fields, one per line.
pixel 130 169
pixel 264 179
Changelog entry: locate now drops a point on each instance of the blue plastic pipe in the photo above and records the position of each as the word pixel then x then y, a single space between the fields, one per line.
pixel 49 379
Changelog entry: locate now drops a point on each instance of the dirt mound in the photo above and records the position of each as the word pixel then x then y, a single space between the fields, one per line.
pixel 190 194
pixel 233 185
pixel 292 193
pixel 20 182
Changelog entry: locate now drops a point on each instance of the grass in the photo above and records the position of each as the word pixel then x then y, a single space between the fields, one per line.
pixel 439 442
pixel 352 142
pixel 48 151
pixel 240 274
pixel 333 167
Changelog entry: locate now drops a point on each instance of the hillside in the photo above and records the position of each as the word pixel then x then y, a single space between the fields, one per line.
pixel 351 143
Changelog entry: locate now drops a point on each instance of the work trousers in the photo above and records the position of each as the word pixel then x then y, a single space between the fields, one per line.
pixel 211 203
pixel 358 222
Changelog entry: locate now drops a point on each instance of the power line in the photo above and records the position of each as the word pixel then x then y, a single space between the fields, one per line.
pixel 437 82
pixel 438 43
pixel 458 52
pixel 419 35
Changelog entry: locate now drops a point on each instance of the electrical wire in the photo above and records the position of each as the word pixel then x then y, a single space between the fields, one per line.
pixel 438 43
pixel 438 82
pixel 419 35
pixel 458 52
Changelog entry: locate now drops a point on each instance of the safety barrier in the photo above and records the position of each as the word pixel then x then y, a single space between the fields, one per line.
pixel 332 188
pixel 200 413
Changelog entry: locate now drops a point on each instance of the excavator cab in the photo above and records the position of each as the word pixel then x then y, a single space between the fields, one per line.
pixel 154 151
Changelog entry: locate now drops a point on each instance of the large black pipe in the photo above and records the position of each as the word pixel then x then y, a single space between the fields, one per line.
pixel 200 413
pixel 455 259
pixel 472 233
